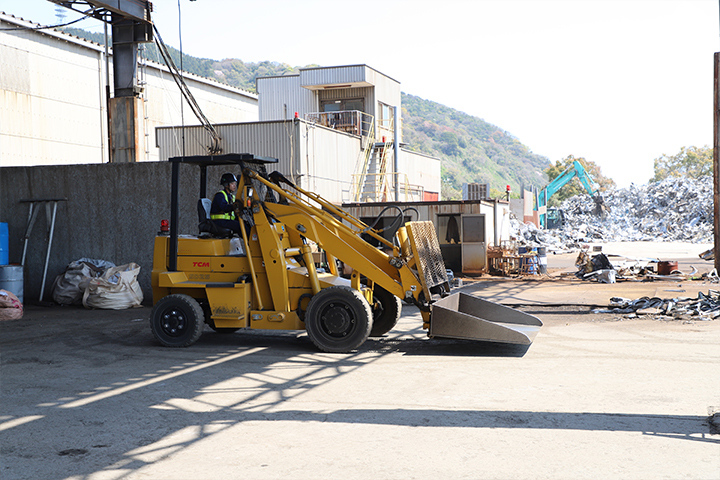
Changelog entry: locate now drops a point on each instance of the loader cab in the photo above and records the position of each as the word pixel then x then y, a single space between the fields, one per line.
pixel 237 160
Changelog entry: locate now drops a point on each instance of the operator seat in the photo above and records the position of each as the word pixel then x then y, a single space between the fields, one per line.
pixel 206 225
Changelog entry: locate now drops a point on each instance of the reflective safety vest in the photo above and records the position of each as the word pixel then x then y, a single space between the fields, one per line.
pixel 228 215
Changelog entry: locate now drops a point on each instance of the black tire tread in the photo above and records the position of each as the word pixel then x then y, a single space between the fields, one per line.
pixel 361 308
pixel 385 320
pixel 190 306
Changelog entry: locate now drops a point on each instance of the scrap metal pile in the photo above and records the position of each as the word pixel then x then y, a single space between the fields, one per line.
pixel 675 209
pixel 704 307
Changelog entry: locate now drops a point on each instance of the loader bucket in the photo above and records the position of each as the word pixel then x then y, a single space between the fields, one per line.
pixel 463 316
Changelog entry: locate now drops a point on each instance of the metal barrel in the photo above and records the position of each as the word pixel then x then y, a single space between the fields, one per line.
pixel 532 262
pixel 11 279
pixel 667 267
pixel 467 317
pixel 4 242
pixel 528 263
pixel 542 260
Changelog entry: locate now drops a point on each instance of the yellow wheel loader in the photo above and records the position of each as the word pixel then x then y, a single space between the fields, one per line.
pixel 267 278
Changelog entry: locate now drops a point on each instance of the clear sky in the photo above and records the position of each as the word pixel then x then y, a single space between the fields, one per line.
pixel 619 82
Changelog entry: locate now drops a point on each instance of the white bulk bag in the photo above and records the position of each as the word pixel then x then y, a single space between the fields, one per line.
pixel 69 287
pixel 117 289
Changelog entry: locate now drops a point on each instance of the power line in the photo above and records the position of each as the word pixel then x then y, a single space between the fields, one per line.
pixel 214 148
pixel 43 27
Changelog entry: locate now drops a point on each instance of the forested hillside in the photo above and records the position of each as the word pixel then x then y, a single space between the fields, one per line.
pixel 232 71
pixel 471 149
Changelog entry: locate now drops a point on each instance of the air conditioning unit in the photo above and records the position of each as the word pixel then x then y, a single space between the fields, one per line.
pixel 476 191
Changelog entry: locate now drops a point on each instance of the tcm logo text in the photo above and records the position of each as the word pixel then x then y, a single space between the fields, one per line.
pixel 201 264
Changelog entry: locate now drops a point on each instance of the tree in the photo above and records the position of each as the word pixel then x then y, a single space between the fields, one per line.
pixel 692 162
pixel 574 187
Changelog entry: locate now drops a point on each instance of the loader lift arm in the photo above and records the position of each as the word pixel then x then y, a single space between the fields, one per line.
pixel 412 269
pixel 396 269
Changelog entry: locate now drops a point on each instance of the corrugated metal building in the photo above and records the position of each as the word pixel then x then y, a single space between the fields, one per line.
pixel 308 154
pixel 331 89
pixel 316 124
pixel 54 111
pixel 52 98
pixel 317 158
pixel 360 101
pixel 465 229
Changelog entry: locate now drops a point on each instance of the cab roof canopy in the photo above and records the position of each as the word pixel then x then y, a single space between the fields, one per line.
pixel 226 159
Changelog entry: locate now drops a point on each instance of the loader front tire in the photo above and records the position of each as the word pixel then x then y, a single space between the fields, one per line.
pixel 386 311
pixel 338 319
pixel 177 321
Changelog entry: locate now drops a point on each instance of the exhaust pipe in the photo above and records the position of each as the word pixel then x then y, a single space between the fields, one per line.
pixel 466 317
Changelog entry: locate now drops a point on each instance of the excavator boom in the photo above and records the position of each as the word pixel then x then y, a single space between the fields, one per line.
pixel 575 170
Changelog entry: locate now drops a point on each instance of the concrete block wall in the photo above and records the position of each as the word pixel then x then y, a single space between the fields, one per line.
pixel 112 212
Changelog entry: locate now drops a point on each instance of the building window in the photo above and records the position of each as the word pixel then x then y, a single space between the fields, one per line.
pixel 342 105
pixel 333 106
pixel 385 115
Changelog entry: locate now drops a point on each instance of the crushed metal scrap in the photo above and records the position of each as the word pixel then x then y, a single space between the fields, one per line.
pixel 675 209
pixel 704 307
pixel 608 268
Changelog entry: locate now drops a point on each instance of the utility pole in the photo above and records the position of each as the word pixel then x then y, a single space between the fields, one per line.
pixel 716 162
pixel 131 25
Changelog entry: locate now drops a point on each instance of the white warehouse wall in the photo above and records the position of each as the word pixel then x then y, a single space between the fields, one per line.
pixel 52 99
pixel 50 91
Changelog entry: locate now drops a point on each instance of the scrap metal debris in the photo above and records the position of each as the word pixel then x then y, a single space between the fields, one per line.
pixel 608 268
pixel 704 307
pixel 708 254
pixel 598 268
pixel 675 209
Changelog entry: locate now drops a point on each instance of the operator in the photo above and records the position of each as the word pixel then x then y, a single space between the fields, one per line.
pixel 222 211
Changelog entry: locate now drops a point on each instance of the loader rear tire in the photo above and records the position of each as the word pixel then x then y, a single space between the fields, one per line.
pixel 177 321
pixel 338 319
pixel 386 311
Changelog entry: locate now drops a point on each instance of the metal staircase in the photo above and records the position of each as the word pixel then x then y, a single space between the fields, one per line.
pixel 382 187
pixel 371 182
pixel 368 152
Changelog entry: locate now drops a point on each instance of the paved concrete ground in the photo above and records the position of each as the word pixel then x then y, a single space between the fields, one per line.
pixel 90 395
pixel 572 291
